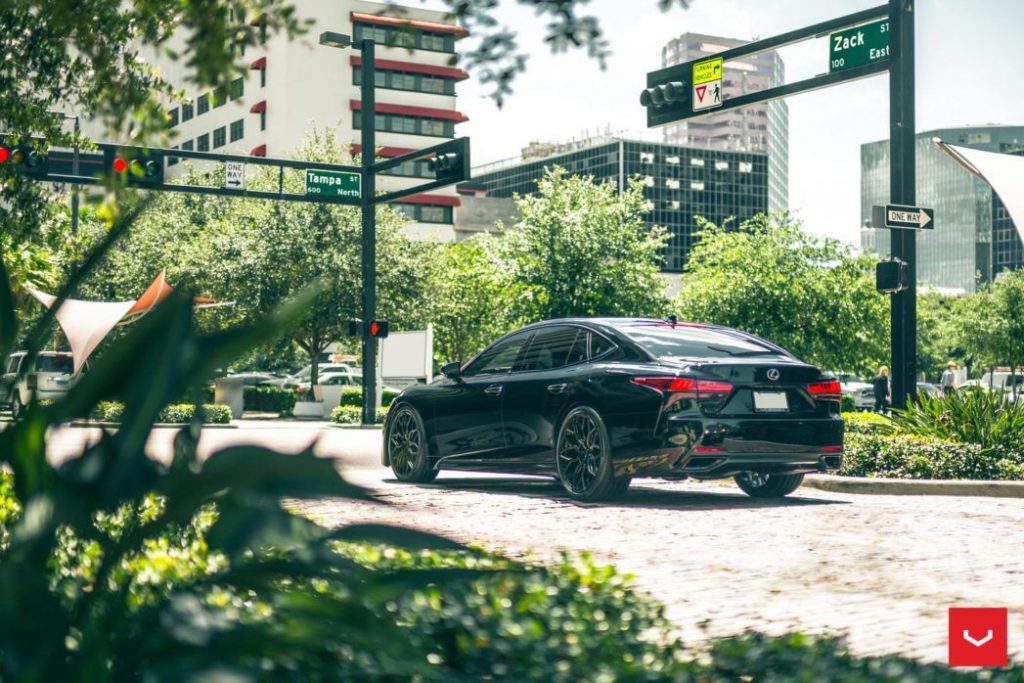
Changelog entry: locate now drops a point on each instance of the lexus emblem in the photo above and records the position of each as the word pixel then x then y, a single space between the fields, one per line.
pixel 773 375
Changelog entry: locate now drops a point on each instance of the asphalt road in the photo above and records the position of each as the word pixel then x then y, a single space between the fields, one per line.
pixel 882 569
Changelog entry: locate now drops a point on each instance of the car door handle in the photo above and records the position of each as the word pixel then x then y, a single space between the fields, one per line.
pixel 494 390
pixel 558 388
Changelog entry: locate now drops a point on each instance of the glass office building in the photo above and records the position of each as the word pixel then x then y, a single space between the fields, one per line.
pixel 1007 246
pixel 679 182
pixel 960 252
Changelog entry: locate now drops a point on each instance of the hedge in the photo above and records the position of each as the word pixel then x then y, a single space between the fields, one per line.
pixel 867 423
pixel 905 456
pixel 353 415
pixel 181 413
pixel 267 398
pixel 353 396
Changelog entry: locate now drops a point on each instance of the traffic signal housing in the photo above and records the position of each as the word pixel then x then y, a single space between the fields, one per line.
pixel 23 159
pixel 892 276
pixel 378 329
pixel 451 161
pixel 137 166
pixel 663 94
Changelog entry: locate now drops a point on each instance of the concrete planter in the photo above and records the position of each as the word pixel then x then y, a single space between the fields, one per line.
pixel 331 396
pixel 308 409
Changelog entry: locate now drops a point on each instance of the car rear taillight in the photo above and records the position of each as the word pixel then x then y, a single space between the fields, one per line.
pixel 711 394
pixel 828 390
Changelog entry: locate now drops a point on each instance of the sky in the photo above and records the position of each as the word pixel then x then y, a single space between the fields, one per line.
pixel 969 58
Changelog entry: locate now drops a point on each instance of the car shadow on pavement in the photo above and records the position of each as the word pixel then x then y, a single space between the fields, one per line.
pixel 715 497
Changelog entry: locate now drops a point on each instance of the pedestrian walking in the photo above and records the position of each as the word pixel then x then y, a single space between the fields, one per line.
pixel 881 386
pixel 948 381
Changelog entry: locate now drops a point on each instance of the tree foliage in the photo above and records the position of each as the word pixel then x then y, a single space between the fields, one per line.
pixel 808 294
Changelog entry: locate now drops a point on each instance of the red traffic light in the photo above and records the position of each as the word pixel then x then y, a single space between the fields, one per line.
pixel 120 165
pixel 378 328
pixel 5 154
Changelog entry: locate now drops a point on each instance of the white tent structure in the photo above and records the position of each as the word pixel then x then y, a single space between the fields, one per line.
pixel 1004 172
pixel 87 323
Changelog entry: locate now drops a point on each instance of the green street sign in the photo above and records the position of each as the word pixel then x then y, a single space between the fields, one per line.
pixel 334 183
pixel 858 46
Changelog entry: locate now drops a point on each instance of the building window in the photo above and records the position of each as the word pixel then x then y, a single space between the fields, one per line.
pixel 220 96
pixel 237 130
pixel 203 104
pixel 186 112
pixel 172 161
pixel 672 183
pixel 697 185
pixel 417 168
pixel 172 118
pixel 263 77
pixel 746 167
pixel 696 162
pixel 236 89
pixel 411 125
pixel 721 165
pixel 263 120
pixel 402 80
pixel 187 145
pixel 263 32
pixel 219 137
pixel 673 160
pixel 646 157
pixel 649 181
pixel 425 213
pixel 203 143
pixel 403 37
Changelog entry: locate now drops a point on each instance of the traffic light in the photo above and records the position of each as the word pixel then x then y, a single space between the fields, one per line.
pixel 378 329
pixel 661 95
pixel 24 159
pixel 137 166
pixel 892 276
pixel 451 161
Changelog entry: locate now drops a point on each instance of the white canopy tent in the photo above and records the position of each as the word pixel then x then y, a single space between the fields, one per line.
pixel 1004 172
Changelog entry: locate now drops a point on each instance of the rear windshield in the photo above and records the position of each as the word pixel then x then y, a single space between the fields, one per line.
pixel 665 341
pixel 61 364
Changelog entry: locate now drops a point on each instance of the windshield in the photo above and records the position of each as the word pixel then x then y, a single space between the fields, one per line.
pixel 62 364
pixel 666 341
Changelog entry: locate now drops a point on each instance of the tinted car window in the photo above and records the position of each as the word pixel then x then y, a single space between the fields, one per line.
pixel 63 364
pixel 551 348
pixel 12 364
pixel 599 345
pixel 666 341
pixel 498 358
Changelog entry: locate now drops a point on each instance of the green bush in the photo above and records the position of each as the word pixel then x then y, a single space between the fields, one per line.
pixel 867 423
pixel 977 417
pixel 353 396
pixel 267 398
pixel 906 456
pixel 178 413
pixel 353 415
pixel 846 403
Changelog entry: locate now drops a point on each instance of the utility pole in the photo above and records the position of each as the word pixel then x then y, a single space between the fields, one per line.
pixel 369 246
pixel 902 190
pixel 74 190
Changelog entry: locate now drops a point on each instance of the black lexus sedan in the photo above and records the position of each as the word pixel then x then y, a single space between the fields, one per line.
pixel 595 402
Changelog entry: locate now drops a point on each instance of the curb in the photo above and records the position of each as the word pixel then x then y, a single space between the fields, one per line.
pixel 341 426
pixel 158 425
pixel 915 487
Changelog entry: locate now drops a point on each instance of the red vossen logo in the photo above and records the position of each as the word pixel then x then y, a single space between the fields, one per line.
pixel 977 636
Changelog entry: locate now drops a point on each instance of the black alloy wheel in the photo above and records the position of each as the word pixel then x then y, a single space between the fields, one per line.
pixel 583 457
pixel 761 485
pixel 406 442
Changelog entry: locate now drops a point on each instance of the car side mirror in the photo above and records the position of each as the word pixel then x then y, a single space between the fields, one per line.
pixel 452 370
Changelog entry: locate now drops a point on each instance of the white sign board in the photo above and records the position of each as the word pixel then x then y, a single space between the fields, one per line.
pixel 707 95
pixel 234 175
pixel 408 355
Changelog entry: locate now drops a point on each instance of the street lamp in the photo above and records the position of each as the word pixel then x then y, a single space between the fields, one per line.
pixel 369 240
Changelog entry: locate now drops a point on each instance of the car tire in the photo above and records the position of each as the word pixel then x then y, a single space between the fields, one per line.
pixel 760 485
pixel 620 487
pixel 405 444
pixel 583 457
pixel 17 407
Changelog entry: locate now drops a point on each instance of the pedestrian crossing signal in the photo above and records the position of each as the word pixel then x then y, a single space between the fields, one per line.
pixel 378 329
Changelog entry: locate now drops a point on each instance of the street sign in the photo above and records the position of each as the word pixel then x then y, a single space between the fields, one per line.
pixel 707 84
pixel 334 183
pixel 899 216
pixel 234 175
pixel 858 46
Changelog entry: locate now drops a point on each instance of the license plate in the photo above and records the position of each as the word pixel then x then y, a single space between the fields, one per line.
pixel 770 401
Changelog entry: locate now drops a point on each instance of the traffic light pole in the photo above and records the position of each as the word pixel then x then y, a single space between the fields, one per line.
pixel 369 245
pixel 902 179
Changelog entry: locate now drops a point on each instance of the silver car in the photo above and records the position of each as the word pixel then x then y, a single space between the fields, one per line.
pixel 50 378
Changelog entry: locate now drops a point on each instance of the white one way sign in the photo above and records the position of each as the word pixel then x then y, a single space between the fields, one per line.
pixel 899 216
pixel 234 175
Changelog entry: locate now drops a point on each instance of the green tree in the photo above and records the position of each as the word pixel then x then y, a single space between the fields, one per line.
pixel 810 295
pixel 582 249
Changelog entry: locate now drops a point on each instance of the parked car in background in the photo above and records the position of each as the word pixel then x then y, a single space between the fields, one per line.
pixel 595 402
pixel 1009 384
pixel 346 379
pixel 930 389
pixel 862 393
pixel 254 379
pixel 50 378
pixel 302 377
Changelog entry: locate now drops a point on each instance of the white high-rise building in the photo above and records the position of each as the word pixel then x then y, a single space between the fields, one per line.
pixel 760 127
pixel 291 85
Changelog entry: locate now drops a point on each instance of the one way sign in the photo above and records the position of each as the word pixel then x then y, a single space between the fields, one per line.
pixel 234 175
pixel 899 216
